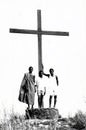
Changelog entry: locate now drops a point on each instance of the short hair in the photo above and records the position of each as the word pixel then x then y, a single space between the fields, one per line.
pixel 40 72
pixel 51 69
pixel 30 68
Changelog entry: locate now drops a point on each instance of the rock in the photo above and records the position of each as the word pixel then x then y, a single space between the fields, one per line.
pixel 44 113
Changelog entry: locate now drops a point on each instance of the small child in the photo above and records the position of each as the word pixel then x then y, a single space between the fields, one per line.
pixel 41 95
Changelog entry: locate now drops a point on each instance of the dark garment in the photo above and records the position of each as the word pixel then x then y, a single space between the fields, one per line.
pixel 27 89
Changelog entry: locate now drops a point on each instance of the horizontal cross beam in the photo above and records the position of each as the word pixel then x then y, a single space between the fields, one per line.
pixel 24 31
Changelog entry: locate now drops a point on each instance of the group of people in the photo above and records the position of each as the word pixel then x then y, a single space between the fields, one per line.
pixel 30 85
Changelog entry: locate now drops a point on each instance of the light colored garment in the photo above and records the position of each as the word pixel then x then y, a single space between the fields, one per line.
pixel 41 83
pixel 52 85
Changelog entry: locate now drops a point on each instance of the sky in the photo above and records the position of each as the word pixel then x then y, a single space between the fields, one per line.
pixel 65 54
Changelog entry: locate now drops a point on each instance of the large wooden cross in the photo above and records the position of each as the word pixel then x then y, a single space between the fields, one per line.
pixel 39 33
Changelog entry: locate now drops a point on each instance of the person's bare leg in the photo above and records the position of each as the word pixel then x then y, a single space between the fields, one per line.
pixel 32 107
pixel 55 100
pixel 50 101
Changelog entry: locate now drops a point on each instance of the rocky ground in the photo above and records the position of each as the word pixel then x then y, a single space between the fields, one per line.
pixel 44 113
pixel 50 120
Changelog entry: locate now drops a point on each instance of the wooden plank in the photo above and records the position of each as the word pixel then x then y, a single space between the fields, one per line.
pixel 59 33
pixel 39 41
pixel 39 20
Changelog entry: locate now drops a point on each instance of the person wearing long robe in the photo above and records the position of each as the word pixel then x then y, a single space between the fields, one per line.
pixel 27 88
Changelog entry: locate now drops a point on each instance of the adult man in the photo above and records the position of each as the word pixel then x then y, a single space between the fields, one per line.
pixel 41 89
pixel 53 83
pixel 27 89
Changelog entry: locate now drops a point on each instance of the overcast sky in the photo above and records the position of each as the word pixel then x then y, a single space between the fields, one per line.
pixel 67 55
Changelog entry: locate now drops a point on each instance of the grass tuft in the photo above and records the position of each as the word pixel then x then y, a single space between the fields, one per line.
pixel 18 122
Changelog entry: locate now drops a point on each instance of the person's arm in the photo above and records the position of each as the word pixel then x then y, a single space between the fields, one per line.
pixel 57 81
pixel 34 78
pixel 37 91
pixel 46 74
pixel 35 88
pixel 44 90
pixel 23 80
pixel 43 71
pixel 37 84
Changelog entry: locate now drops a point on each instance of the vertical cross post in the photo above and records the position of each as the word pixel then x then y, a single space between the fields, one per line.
pixel 40 67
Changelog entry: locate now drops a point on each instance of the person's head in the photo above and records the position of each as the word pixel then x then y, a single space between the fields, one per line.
pixel 41 91
pixel 30 69
pixel 51 71
pixel 40 73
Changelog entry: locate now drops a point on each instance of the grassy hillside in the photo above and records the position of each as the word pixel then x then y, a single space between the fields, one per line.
pixel 18 122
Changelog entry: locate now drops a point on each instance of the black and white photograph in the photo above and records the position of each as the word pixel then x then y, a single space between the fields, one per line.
pixel 42 65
